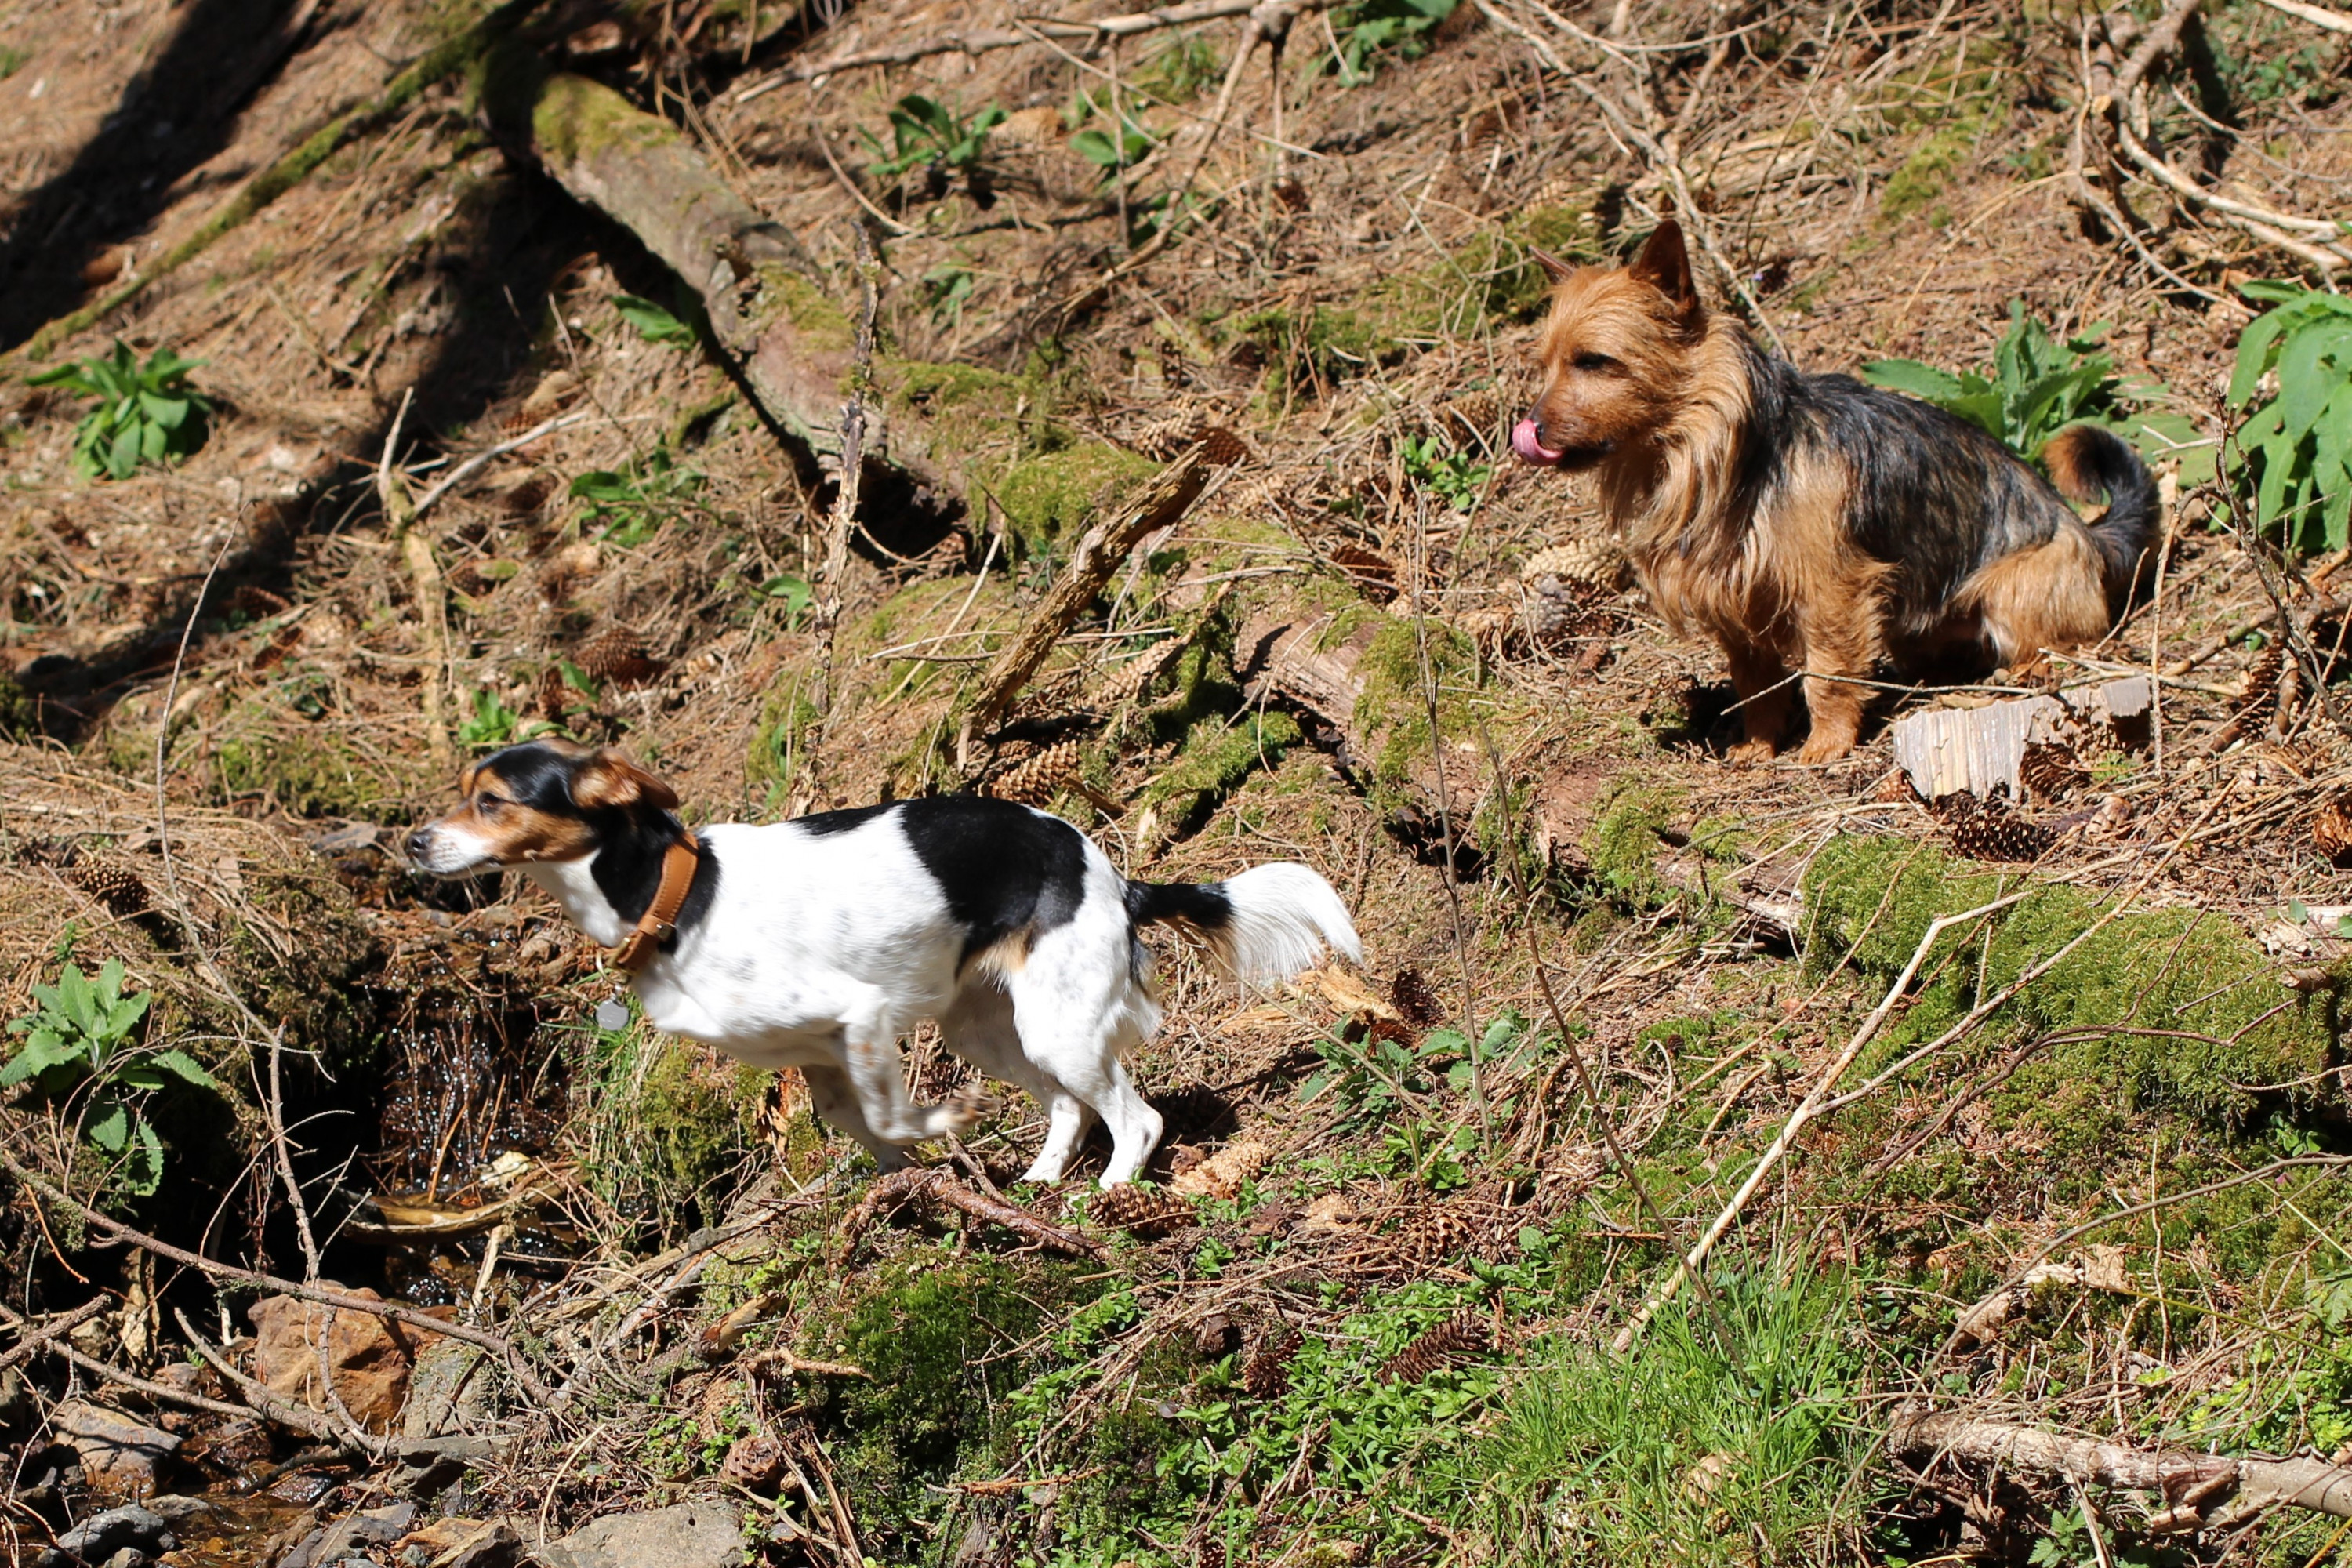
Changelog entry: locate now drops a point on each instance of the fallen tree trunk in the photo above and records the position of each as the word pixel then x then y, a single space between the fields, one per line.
pixel 767 300
pixel 2192 1485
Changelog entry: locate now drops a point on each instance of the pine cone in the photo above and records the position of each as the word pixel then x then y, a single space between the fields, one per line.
pixel 1223 1173
pixel 271 654
pixel 753 1462
pixel 1211 1553
pixel 1990 835
pixel 618 657
pixel 1438 1348
pixel 1372 572
pixel 1434 1234
pixel 1266 1373
pixel 1410 994
pixel 1478 416
pixel 116 886
pixel 1595 563
pixel 2259 693
pixel 2050 771
pixel 258 603
pixel 1142 1211
pixel 1897 789
pixel 1036 780
pixel 1222 448
pixel 553 693
pixel 2331 831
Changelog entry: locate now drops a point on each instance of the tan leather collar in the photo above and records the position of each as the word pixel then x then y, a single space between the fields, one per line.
pixel 660 919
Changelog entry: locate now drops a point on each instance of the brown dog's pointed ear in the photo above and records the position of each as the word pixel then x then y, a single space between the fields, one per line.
pixel 1664 264
pixel 1554 268
pixel 609 781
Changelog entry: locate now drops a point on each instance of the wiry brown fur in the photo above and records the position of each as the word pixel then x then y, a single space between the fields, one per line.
pixel 1807 524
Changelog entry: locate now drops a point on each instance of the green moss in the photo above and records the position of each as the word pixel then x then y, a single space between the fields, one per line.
pixel 574 118
pixel 20 711
pixel 2160 1007
pixel 303 769
pixel 1394 706
pixel 1051 496
pixel 1928 170
pixel 934 1329
pixel 814 314
pixel 1214 760
pixel 698 1120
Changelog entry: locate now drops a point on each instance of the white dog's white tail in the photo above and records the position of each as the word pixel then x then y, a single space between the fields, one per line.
pixel 1263 925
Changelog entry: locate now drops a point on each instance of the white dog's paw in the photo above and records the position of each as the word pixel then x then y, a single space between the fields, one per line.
pixel 965 1108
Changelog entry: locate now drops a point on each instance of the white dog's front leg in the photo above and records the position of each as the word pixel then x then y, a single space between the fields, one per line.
pixel 870 1052
pixel 832 1098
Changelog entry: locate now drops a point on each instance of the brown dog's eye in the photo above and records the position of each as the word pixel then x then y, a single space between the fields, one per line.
pixel 1594 362
pixel 489 805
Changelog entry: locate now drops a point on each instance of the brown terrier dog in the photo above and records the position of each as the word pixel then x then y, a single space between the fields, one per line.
pixel 1809 522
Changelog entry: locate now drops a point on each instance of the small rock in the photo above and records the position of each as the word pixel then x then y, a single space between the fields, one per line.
pixel 352 1537
pixel 368 1357
pixel 129 1557
pixel 103 1534
pixel 118 1455
pixel 464 1543
pixel 448 1390
pixel 702 1534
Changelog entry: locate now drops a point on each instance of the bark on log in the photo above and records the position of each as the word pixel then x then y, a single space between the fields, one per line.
pixel 767 300
pixel 2193 1484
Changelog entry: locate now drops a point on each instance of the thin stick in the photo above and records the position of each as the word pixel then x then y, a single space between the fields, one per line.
pixel 480 460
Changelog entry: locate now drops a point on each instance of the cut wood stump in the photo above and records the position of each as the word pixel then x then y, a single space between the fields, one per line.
pixel 1976 750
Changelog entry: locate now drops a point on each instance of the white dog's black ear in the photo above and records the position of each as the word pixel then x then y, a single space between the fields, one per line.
pixel 1554 268
pixel 609 781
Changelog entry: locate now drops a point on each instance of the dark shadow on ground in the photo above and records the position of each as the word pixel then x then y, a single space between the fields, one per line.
pixel 175 116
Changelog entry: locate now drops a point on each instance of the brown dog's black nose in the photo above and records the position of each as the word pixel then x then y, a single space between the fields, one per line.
pixel 417 841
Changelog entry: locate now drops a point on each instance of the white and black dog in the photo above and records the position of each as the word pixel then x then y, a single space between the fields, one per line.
pixel 816 943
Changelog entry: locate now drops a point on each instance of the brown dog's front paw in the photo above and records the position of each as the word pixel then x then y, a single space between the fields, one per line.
pixel 1751 753
pixel 1821 748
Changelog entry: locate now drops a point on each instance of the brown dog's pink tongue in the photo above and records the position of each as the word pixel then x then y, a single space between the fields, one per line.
pixel 1530 448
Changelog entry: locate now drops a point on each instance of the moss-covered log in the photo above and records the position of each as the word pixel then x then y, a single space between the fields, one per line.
pixel 768 302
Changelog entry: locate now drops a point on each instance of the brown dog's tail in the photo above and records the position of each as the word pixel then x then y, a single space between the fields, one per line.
pixel 2088 464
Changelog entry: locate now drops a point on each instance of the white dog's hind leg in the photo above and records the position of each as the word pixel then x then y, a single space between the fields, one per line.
pixel 1065 1133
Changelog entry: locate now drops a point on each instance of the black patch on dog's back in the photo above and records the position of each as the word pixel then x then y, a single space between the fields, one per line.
pixel 825 824
pixel 1001 867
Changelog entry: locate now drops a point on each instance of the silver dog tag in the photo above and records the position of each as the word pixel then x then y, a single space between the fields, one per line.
pixel 612 1016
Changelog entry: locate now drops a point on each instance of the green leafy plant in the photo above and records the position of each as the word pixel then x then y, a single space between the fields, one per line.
pixel 2038 385
pixel 145 414
pixel 494 724
pixel 2295 446
pixel 946 290
pixel 794 593
pixel 927 133
pixel 81 1044
pixel 1370 28
pixel 653 323
pixel 1455 478
pixel 630 503
pixel 1122 146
